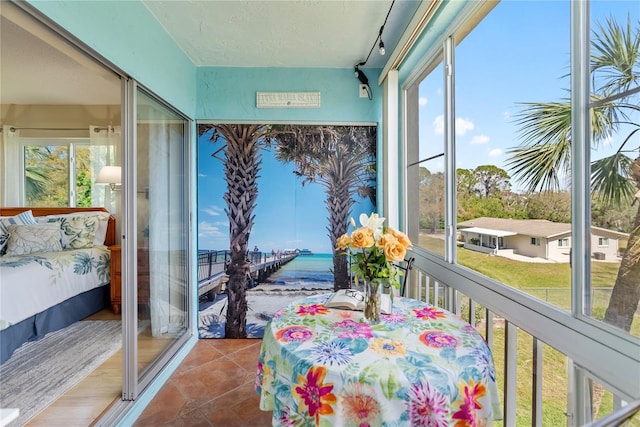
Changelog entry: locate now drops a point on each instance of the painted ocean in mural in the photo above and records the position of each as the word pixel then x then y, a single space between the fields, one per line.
pixel 305 272
pixel 305 275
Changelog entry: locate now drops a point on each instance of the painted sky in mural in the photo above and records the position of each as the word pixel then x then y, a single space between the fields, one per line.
pixel 288 216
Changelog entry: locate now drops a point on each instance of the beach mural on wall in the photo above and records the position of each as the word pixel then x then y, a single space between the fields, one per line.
pixel 276 196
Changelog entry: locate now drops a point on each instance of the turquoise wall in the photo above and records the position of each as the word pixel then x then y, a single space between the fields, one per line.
pixel 230 94
pixel 126 34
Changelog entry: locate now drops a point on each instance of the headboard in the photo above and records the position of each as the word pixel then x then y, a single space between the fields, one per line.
pixel 111 225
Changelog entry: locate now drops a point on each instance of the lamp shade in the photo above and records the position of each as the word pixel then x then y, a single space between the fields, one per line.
pixel 109 175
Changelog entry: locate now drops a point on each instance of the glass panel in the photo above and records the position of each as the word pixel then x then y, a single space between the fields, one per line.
pixel 430 162
pixel 513 199
pixel 46 177
pixel 615 270
pixel 162 229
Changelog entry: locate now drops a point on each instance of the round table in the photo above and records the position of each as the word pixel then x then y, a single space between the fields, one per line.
pixel 420 366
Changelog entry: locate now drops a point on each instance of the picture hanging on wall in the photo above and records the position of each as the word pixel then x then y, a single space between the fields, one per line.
pixel 273 199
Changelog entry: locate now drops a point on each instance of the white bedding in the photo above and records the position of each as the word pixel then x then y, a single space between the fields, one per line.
pixel 32 283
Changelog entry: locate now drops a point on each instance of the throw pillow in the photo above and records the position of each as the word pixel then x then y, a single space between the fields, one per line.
pixel 101 220
pixel 78 231
pixel 27 239
pixel 25 217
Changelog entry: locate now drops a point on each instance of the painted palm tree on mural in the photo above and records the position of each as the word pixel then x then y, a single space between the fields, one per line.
pixel 242 160
pixel 342 160
pixel 545 153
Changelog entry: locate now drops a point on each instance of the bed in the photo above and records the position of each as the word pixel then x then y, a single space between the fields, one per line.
pixel 54 270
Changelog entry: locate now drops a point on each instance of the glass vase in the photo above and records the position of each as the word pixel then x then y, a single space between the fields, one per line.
pixel 389 290
pixel 372 300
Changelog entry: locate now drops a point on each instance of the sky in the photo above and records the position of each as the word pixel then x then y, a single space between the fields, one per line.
pixel 526 62
pixel 527 59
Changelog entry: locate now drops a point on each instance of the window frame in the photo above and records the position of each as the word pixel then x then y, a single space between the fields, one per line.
pixel 591 340
pixel 72 143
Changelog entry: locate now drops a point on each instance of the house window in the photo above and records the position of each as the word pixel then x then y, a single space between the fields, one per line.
pixel 57 172
pixel 603 242
pixel 563 243
pixel 535 241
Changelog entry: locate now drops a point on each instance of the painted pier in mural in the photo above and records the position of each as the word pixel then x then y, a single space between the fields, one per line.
pixel 212 267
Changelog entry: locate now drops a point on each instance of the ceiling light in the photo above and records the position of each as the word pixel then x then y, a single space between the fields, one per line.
pixel 381 48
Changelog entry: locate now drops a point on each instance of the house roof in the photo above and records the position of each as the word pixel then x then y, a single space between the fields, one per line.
pixel 530 227
pixel 488 231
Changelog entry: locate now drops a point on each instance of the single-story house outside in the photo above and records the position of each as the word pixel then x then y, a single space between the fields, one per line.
pixel 534 238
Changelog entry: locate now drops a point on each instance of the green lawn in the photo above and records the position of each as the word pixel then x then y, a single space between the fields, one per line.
pixel 549 282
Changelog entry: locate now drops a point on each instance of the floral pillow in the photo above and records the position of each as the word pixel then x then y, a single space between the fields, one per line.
pixel 20 219
pixel 30 238
pixel 84 223
pixel 78 231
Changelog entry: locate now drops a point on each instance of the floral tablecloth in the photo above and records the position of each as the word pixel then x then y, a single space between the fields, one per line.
pixel 421 366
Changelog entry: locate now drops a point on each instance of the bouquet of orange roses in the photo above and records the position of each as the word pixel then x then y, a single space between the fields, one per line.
pixel 373 249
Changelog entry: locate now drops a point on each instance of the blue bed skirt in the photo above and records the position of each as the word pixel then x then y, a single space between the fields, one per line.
pixel 52 319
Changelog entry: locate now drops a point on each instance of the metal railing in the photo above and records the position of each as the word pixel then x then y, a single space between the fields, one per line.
pixel 513 347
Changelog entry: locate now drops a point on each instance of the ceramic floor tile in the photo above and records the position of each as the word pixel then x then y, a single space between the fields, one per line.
pixel 213 387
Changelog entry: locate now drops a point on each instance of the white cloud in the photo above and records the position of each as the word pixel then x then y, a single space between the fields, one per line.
pixel 462 125
pixel 495 152
pixel 438 125
pixel 213 211
pixel 422 101
pixel 480 139
pixel 202 175
pixel 506 115
pixel 207 229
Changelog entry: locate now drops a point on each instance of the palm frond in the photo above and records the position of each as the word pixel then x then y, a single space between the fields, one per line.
pixel 615 58
pixel 610 179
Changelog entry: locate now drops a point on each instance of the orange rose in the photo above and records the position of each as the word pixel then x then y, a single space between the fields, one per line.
pixel 395 251
pixel 343 241
pixel 362 238
pixel 402 238
pixel 385 239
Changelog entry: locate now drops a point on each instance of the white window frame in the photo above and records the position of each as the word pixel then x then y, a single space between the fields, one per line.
pixel 591 340
pixel 71 143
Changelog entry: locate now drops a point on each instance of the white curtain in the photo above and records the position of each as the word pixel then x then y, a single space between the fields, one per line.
pixel 166 241
pixel 158 233
pixel 10 159
pixel 105 145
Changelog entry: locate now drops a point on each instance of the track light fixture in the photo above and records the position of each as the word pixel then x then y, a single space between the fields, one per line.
pixel 381 44
pixel 360 75
pixel 356 69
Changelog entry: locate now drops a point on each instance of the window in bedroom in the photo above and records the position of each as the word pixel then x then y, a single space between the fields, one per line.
pixel 56 173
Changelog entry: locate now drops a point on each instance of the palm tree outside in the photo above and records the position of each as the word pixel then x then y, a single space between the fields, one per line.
pixel 543 159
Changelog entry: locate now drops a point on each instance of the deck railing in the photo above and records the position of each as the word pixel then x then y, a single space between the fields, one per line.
pixel 527 368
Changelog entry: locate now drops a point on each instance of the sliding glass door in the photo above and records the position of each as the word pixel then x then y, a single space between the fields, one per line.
pixel 156 295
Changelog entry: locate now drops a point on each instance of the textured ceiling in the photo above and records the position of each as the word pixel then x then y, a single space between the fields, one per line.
pixel 277 33
pixel 37 68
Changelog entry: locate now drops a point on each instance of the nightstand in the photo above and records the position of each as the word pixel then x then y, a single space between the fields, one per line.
pixel 116 277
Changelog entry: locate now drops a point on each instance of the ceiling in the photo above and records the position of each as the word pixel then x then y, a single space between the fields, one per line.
pixel 276 33
pixel 217 33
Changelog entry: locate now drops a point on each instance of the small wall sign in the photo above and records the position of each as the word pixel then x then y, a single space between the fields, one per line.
pixel 287 99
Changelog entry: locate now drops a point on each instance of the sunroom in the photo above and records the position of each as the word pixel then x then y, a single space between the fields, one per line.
pixel 480 111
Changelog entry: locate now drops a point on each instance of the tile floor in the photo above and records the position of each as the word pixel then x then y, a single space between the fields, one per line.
pixel 214 386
